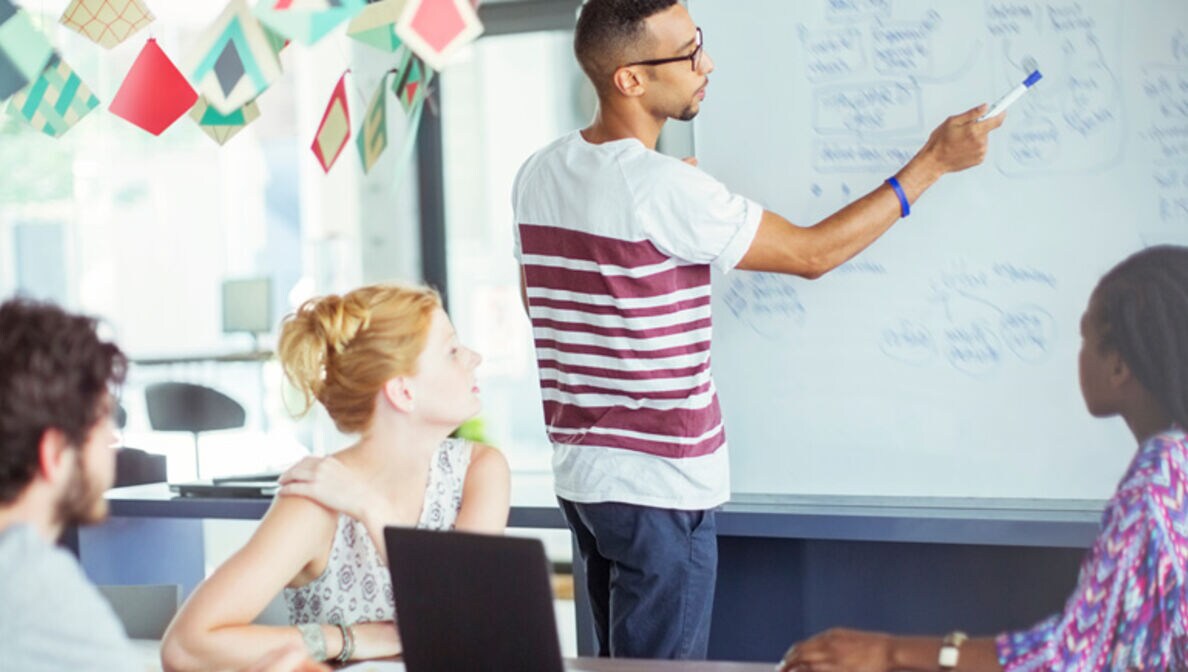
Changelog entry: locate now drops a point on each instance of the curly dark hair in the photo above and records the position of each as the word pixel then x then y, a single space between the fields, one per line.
pixel 55 372
pixel 1141 309
pixel 610 33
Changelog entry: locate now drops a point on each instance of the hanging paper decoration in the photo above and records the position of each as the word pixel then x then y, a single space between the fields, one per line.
pixel 24 51
pixel 376 24
pixel 373 136
pixel 404 158
pixel 154 94
pixel 106 22
pixel 56 101
pixel 222 127
pixel 335 129
pixel 233 60
pixel 412 78
pixel 306 21
pixel 277 41
pixel 437 29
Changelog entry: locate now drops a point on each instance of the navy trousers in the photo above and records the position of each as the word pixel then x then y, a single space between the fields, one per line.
pixel 650 575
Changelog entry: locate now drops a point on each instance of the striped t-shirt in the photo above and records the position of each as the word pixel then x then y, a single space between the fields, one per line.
pixel 616 242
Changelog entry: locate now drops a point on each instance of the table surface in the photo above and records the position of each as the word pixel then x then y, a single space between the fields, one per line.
pixel 149 650
pixel 620 665
pixel 1048 523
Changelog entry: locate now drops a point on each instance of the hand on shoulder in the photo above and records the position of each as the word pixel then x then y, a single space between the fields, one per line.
pixel 329 483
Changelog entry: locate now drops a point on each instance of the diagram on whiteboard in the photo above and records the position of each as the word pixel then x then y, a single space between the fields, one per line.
pixel 872 64
pixel 941 359
pixel 976 320
pixel 1164 135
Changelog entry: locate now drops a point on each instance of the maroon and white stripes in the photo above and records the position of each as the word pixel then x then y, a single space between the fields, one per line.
pixel 622 337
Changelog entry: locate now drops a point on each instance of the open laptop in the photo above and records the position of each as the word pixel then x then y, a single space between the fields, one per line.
pixel 474 602
pixel 246 486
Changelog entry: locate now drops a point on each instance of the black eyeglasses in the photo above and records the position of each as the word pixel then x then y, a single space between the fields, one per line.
pixel 693 58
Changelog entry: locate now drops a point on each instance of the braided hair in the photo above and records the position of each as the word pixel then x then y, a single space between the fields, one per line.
pixel 1141 309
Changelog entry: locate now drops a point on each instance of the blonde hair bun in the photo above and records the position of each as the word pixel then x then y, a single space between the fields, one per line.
pixel 342 349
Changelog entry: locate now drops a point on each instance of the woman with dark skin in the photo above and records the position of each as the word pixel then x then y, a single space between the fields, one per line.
pixel 1130 607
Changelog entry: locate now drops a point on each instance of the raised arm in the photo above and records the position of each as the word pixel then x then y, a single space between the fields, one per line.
pixel 783 247
pixel 485 494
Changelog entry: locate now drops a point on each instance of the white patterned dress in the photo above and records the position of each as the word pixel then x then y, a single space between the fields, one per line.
pixel 356 586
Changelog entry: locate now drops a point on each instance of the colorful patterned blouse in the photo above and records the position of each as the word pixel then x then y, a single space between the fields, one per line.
pixel 1130 608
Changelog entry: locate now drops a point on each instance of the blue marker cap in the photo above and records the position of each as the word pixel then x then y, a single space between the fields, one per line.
pixel 1032 79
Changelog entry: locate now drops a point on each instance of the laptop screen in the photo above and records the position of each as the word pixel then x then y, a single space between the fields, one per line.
pixel 472 602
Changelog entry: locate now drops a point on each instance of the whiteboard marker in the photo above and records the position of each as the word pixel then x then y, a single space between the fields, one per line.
pixel 1014 94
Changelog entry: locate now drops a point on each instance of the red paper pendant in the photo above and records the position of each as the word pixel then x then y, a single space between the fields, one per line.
pixel 335 129
pixel 154 94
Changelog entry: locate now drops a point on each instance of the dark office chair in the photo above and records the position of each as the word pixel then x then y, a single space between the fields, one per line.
pixel 136 467
pixel 186 407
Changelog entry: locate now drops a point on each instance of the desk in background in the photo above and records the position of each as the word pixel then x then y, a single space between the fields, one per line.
pixel 788 567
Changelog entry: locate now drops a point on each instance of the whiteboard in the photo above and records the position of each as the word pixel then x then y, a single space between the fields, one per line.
pixel 942 361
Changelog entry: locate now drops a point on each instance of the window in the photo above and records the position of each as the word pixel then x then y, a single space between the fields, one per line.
pixel 143 231
pixel 513 95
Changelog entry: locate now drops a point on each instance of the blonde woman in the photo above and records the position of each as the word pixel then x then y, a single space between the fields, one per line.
pixel 385 363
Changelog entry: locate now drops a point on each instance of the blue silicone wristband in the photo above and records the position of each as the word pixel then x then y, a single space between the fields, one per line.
pixel 905 208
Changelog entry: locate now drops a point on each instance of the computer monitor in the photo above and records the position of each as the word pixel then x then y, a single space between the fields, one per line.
pixel 247 305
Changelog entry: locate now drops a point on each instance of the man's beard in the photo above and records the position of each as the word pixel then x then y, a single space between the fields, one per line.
pixel 82 502
pixel 688 113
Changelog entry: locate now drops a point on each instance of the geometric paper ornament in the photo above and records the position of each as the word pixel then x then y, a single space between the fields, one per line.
pixel 411 81
pixel 376 24
pixel 106 22
pixel 277 41
pixel 24 51
pixel 373 134
pixel 233 62
pixel 306 21
pixel 222 127
pixel 55 102
pixel 154 94
pixel 335 129
pixel 437 29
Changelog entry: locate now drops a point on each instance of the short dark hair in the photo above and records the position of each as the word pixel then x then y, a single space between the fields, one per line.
pixel 610 32
pixel 1141 309
pixel 54 374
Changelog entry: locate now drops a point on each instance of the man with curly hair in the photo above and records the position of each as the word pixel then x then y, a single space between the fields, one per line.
pixel 57 458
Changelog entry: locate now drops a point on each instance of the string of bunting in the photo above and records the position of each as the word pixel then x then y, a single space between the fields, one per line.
pixel 235 60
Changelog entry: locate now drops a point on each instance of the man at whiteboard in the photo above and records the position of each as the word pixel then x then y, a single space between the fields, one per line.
pixel 615 243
